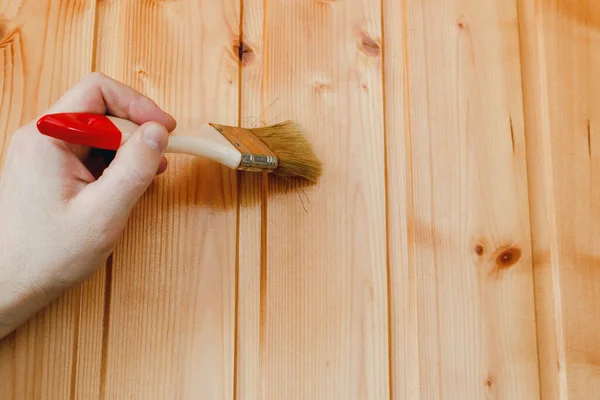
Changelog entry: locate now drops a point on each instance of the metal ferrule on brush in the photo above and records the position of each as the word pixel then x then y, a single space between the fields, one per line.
pixel 256 156
pixel 257 162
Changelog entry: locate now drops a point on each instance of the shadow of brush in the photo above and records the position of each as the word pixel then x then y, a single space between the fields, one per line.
pixel 253 187
pixel 191 182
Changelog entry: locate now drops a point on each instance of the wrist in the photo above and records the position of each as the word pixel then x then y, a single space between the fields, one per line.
pixel 18 300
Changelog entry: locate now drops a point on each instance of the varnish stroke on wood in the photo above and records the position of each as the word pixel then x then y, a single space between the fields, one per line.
pixel 449 251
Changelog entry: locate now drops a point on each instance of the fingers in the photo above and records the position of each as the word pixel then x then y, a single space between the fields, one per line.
pixel 112 197
pixel 98 93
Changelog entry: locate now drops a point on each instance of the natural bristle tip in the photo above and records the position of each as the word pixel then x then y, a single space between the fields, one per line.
pixel 295 154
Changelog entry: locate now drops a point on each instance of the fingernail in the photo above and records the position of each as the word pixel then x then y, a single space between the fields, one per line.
pixel 155 136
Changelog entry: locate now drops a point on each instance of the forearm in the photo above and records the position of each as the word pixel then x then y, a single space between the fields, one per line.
pixel 19 300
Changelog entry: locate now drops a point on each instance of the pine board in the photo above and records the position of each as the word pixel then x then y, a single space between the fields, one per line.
pixel 443 255
pixel 253 200
pixel 323 303
pixel 460 255
pixel 172 288
pixel 44 49
pixel 561 102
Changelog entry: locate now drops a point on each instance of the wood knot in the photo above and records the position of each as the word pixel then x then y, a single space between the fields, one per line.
pixel 508 257
pixel 488 383
pixel 369 46
pixel 142 73
pixel 461 23
pixel 244 52
pixel 8 32
pixel 321 86
pixel 478 249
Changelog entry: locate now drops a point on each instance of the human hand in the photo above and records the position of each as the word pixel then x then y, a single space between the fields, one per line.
pixel 61 210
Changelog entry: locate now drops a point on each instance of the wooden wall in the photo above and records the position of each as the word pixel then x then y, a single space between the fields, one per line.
pixel 449 251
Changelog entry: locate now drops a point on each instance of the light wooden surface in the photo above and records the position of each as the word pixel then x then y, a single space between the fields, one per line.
pixel 450 250
pixel 559 66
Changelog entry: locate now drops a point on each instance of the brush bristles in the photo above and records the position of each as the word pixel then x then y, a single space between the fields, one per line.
pixel 295 154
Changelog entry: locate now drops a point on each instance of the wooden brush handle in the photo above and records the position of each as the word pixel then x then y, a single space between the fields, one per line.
pixel 204 142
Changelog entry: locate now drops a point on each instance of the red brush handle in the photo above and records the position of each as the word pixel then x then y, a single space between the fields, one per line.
pixel 87 129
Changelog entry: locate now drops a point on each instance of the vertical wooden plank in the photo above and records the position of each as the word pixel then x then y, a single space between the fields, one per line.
pixel 323 320
pixel 560 64
pixel 171 305
pixel 402 270
pixel 11 55
pixel 89 340
pixel 251 247
pixel 551 352
pixel 247 377
pixel 7 367
pixel 45 47
pixel 460 261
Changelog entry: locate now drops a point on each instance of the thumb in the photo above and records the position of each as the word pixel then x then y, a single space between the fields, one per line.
pixel 113 196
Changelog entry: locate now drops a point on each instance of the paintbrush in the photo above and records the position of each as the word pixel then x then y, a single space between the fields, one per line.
pixel 281 149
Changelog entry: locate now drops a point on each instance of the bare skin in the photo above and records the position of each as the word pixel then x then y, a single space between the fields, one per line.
pixel 62 210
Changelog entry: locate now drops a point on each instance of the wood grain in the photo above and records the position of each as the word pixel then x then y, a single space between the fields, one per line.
pixel 323 317
pixel 252 207
pixel 561 97
pixel 448 252
pixel 172 291
pixel 45 47
pixel 404 351
pixel 460 257
pixel 12 84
